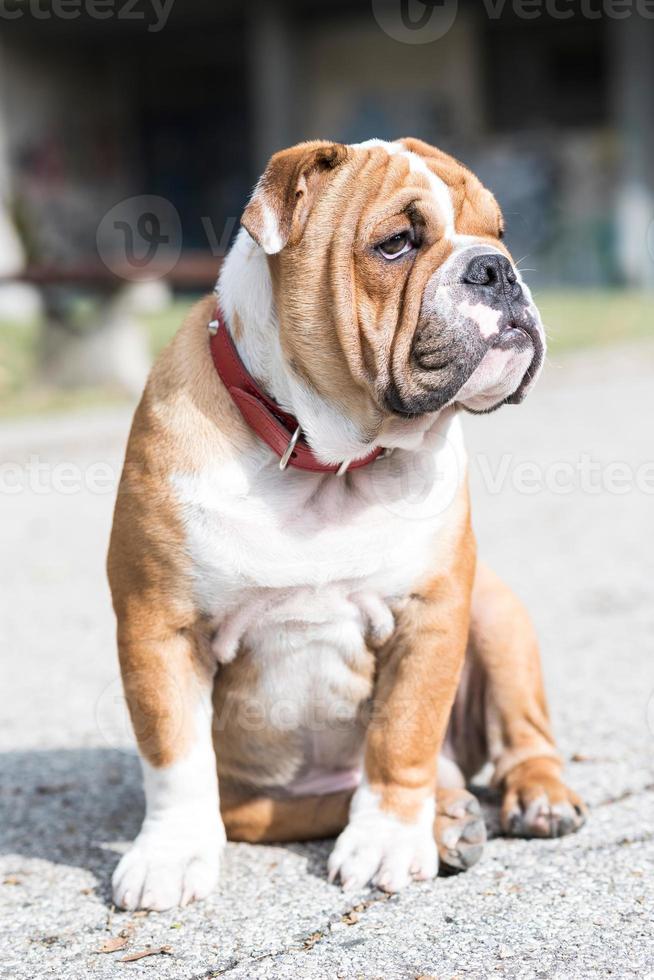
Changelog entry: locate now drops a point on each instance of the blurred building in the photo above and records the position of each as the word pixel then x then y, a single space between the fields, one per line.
pixel 556 114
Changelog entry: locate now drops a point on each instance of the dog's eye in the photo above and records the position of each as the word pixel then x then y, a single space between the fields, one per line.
pixel 396 245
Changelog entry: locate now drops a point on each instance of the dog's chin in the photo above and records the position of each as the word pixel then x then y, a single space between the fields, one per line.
pixel 503 377
pixel 483 407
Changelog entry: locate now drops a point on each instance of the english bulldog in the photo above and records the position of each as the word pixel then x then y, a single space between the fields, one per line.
pixel 308 645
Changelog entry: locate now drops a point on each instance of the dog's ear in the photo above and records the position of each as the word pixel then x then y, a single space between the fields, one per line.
pixel 285 194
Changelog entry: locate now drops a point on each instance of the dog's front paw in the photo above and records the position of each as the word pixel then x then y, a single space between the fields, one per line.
pixel 161 871
pixel 379 848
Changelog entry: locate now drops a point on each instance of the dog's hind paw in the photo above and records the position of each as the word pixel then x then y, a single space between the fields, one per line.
pixel 538 804
pixel 460 830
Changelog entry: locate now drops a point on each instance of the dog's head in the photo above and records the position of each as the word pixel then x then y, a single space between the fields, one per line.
pixel 395 293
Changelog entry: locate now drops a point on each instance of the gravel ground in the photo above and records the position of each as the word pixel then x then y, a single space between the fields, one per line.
pixel 69 784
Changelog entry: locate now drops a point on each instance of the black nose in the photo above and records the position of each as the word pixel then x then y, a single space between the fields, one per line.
pixel 490 270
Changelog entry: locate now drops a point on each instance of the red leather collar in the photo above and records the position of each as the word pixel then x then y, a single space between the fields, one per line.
pixel 278 429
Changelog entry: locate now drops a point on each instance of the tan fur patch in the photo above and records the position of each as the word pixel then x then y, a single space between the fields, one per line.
pixel 184 417
pixel 418 675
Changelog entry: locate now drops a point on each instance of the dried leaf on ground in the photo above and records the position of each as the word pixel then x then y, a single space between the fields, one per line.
pixel 150 951
pixel 113 944
pixel 350 918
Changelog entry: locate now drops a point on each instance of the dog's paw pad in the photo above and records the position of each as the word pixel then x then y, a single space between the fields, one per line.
pixel 460 830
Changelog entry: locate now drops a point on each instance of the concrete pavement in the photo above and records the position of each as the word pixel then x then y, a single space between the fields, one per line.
pixel 564 509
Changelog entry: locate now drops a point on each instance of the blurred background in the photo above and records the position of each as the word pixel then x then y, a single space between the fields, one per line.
pixel 131 135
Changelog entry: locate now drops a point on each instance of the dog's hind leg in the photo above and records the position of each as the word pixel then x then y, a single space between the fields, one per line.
pixel 501 715
pixel 263 819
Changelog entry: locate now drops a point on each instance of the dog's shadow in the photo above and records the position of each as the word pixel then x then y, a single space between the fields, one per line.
pixel 72 806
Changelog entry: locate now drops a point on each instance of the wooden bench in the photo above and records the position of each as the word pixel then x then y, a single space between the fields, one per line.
pixel 192 272
pixel 107 346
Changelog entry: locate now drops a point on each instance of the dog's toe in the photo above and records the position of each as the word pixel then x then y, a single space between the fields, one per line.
pixel 460 830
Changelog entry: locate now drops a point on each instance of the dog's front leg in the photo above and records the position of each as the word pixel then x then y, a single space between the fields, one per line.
pixel 176 856
pixel 390 833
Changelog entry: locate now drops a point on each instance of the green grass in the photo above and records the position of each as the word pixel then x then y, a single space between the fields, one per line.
pixel 17 348
pixel 592 318
pixel 162 327
pixel 21 391
pixel 574 319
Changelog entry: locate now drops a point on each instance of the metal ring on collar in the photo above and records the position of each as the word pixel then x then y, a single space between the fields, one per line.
pixel 288 452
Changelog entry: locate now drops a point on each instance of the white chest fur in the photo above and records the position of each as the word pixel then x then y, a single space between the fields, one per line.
pixel 277 554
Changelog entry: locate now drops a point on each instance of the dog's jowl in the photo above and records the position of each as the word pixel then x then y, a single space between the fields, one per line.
pixel 309 646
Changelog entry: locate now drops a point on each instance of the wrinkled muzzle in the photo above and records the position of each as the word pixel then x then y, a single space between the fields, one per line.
pixel 479 339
